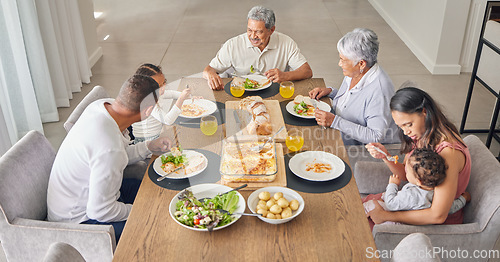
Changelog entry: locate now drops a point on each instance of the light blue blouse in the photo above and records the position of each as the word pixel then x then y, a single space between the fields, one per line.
pixel 366 117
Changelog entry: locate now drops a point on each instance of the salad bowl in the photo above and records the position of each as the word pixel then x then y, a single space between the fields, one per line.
pixel 208 191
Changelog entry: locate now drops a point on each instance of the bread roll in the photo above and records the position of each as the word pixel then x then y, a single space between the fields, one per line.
pixel 260 123
pixel 298 99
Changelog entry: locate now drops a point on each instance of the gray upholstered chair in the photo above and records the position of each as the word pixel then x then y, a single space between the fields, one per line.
pixel 98 92
pixel 62 252
pixel 135 170
pixel 481 227
pixel 414 248
pixel 25 234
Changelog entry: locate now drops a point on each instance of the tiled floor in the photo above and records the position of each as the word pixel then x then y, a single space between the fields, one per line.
pixel 183 35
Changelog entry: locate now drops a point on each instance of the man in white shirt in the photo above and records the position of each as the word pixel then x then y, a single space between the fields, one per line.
pixel 270 53
pixel 86 183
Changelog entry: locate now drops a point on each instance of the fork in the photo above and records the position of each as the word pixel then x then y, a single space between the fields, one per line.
pixel 259 148
pixel 315 104
pixel 390 158
pixel 192 99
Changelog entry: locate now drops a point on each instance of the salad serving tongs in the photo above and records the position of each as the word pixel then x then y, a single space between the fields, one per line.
pixel 238 213
pixel 390 158
pixel 259 148
pixel 234 189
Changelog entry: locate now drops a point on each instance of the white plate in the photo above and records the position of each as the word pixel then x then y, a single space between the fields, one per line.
pixel 193 159
pixel 298 165
pixel 208 190
pixel 208 105
pixel 258 78
pixel 288 193
pixel 321 106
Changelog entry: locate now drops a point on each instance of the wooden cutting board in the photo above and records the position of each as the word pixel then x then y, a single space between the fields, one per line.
pixel 274 110
pixel 280 175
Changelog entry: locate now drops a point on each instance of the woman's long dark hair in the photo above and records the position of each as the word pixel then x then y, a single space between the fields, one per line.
pixel 437 127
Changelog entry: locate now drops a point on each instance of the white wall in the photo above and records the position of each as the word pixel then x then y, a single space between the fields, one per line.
pixel 472 32
pixel 89 30
pixel 432 29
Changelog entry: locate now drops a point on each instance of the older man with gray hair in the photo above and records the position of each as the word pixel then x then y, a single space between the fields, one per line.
pixel 271 53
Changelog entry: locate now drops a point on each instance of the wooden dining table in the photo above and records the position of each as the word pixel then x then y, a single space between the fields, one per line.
pixel 332 226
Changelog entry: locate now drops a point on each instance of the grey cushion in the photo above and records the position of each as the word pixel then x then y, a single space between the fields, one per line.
pixel 414 248
pixel 24 177
pixel 371 177
pixel 98 92
pixel 24 233
pixel 62 252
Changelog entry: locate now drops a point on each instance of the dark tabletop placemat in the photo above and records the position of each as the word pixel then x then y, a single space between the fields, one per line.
pixel 210 175
pixel 306 186
pixel 220 114
pixel 294 120
pixel 264 93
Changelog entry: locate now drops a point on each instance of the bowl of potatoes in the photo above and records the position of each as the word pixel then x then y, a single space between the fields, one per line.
pixel 277 205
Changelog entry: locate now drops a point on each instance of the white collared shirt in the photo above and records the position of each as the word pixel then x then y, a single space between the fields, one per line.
pixel 281 52
pixel 372 74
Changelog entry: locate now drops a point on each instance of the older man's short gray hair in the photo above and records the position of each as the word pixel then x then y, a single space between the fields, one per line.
pixel 261 13
pixel 360 44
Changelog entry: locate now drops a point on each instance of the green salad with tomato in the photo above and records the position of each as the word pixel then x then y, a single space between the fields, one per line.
pixel 251 84
pixel 175 156
pixel 191 212
pixel 301 109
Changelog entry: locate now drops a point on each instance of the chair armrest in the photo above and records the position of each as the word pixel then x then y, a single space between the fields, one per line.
pixel 31 239
pixel 387 236
pixel 371 177
pixel 428 229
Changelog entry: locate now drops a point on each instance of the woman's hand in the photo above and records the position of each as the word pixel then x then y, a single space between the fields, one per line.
pixel 378 214
pixel 319 92
pixel 374 152
pixel 324 118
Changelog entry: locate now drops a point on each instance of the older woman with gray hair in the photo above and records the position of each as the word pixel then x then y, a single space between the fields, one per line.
pixel 361 104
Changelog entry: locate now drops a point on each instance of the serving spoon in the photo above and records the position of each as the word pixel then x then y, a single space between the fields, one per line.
pixel 259 148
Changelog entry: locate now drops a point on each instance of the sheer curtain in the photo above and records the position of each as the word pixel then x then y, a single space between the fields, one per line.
pixel 43 60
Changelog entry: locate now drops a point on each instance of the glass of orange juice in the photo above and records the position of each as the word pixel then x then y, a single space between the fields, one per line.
pixel 286 89
pixel 237 90
pixel 294 140
pixel 208 125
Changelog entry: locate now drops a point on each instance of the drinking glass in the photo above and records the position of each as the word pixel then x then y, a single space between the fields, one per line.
pixel 286 89
pixel 208 125
pixel 294 140
pixel 237 90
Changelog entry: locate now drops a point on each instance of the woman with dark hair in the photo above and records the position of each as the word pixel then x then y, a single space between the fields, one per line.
pixel 423 125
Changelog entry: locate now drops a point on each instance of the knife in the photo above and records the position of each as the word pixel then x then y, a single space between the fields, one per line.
pixel 237 118
pixel 164 176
